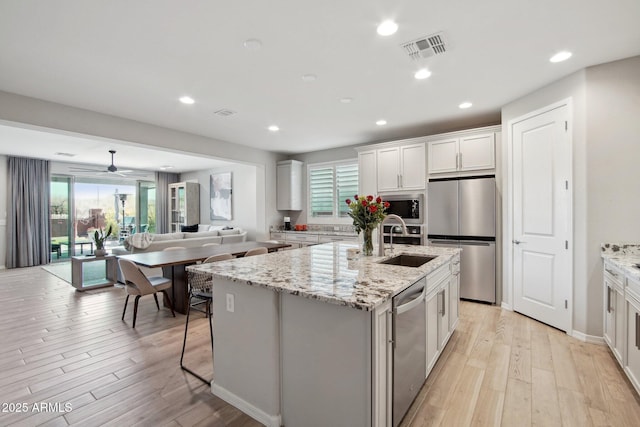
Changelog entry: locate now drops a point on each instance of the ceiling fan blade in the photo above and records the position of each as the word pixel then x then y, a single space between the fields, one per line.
pixel 74 169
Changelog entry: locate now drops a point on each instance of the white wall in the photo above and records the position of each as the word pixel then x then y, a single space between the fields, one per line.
pixel 613 165
pixel 244 208
pixel 606 108
pixel 43 114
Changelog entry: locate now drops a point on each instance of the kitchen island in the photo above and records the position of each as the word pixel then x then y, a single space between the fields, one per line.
pixel 305 337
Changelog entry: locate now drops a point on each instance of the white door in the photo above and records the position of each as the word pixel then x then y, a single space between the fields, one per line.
pixel 542 260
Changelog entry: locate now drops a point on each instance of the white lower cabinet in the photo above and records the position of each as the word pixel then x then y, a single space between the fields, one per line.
pixel 614 306
pixel 432 329
pixel 632 365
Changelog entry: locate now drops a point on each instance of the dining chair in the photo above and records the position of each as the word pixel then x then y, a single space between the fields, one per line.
pixel 136 283
pixel 200 288
pixel 211 244
pixel 256 251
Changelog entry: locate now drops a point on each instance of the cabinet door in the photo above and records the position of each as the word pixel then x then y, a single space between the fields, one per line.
pixel 609 314
pixel 382 360
pixel 477 152
pixel 633 342
pixel 367 173
pixel 413 167
pixel 618 349
pixel 432 329
pixel 454 300
pixel 443 156
pixel 443 313
pixel 388 169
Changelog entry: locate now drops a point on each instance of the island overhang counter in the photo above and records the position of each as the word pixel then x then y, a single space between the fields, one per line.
pixel 304 337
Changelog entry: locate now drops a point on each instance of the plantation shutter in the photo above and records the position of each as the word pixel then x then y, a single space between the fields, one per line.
pixel 321 191
pixel 329 186
pixel 346 186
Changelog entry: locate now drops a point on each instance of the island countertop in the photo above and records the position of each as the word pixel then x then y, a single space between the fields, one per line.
pixel 322 272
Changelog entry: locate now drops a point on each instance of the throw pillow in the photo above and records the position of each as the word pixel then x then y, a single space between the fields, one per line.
pixel 189 228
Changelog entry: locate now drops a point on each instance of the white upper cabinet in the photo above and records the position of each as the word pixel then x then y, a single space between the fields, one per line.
pixel 367 172
pixel 464 152
pixel 289 186
pixel 402 167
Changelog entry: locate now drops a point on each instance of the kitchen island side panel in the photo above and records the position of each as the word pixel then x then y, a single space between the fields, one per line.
pixel 246 361
pixel 326 359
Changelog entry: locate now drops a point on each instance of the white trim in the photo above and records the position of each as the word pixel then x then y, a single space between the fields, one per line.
pixel 506 306
pixel 246 407
pixel 507 209
pixel 592 339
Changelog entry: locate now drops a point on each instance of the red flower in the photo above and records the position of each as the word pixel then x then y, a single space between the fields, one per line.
pixel 379 199
pixel 369 198
pixel 348 201
pixel 373 208
pixel 364 202
pixel 355 197
pixel 387 204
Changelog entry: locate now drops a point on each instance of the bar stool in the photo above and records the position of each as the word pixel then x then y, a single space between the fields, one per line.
pixel 200 288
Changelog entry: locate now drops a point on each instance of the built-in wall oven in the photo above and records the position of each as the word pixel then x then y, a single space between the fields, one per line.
pixel 414 237
pixel 409 207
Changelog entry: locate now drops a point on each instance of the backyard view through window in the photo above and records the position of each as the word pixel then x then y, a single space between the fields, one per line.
pixel 79 208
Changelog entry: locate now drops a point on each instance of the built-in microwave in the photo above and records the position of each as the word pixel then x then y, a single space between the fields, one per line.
pixel 409 207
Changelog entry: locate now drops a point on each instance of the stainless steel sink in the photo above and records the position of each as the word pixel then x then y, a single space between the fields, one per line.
pixel 406 260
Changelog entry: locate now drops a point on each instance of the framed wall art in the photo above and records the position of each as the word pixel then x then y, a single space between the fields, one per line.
pixel 221 196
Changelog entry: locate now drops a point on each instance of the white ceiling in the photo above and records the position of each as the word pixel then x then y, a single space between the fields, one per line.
pixel 135 59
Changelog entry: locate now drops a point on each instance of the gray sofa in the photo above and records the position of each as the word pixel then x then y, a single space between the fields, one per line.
pixel 159 242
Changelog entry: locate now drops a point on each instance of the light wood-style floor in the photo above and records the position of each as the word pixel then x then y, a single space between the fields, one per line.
pixel 58 346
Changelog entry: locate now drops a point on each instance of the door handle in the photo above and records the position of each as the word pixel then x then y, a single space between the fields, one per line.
pixel 517 242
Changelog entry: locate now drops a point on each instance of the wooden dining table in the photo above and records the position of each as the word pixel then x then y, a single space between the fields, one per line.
pixel 174 262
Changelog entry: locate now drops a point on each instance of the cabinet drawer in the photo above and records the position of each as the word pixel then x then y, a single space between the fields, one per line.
pixel 633 287
pixel 435 278
pixel 614 275
pixel 326 239
pixel 304 238
pixel 278 236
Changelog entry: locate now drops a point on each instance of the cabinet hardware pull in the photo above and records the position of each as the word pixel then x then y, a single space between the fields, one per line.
pixel 637 331
pixel 611 272
pixel 608 299
pixel 444 303
pixel 460 160
pixel 457 167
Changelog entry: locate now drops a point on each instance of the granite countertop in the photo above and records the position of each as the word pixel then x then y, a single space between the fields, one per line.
pixel 625 256
pixel 323 272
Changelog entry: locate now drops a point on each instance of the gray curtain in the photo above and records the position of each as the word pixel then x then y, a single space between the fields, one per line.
pixel 28 236
pixel 163 179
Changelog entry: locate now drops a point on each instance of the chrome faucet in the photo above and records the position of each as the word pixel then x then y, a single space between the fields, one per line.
pixel 380 228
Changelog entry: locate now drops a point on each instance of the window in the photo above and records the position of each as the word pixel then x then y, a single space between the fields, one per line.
pixel 330 184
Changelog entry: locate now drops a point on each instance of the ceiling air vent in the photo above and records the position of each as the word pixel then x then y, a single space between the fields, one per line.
pixel 426 47
pixel 65 154
pixel 224 112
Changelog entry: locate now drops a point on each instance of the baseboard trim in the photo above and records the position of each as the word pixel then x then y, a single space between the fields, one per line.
pixel 592 339
pixel 246 407
pixel 506 306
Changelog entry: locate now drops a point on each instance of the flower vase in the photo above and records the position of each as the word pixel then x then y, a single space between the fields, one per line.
pixel 367 243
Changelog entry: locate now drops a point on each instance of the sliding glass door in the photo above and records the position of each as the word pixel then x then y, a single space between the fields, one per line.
pixel 80 205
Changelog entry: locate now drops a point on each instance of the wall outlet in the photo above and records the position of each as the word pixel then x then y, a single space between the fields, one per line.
pixel 230 303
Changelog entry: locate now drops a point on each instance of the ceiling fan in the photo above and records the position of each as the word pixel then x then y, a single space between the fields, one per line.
pixel 111 169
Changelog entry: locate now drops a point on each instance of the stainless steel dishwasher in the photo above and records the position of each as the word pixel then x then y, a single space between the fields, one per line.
pixel 409 347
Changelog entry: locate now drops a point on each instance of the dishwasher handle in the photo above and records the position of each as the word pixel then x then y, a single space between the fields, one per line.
pixel 414 301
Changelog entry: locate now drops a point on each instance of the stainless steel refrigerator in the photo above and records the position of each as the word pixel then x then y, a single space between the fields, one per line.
pixel 462 213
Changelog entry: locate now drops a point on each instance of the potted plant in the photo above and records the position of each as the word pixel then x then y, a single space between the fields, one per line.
pixel 99 237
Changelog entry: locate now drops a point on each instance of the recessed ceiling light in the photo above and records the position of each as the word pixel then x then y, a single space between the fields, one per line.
pixel 187 100
pixel 387 28
pixel 381 122
pixel 560 56
pixel 165 167
pixel 274 128
pixel 252 44
pixel 422 74
pixel 465 105
pixel 309 78
pixel 346 100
